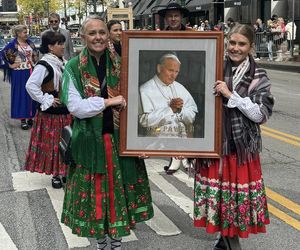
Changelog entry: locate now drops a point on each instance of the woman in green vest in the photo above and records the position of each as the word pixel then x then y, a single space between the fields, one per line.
pixel 105 194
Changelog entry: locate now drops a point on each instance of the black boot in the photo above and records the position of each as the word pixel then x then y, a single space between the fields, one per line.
pixel 24 125
pixel 220 243
pixel 233 243
pixel 30 122
pixel 56 182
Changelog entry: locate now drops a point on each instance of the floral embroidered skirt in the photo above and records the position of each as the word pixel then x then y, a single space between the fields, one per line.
pixel 96 205
pixel 43 154
pixel 234 204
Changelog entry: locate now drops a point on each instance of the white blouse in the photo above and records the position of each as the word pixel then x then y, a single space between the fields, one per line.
pixel 83 108
pixel 246 106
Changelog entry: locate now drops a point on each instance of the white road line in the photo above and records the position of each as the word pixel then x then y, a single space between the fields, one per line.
pixel 131 237
pixel 26 181
pixel 161 224
pixel 183 177
pixel 184 202
pixel 5 241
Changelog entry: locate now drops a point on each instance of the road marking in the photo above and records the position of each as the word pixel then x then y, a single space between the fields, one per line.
pixel 184 177
pixel 284 217
pixel 294 207
pixel 277 135
pixel 184 202
pixel 26 181
pixel 280 133
pixel 161 224
pixel 5 241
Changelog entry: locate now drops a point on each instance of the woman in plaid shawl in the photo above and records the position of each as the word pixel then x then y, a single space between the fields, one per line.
pixel 229 193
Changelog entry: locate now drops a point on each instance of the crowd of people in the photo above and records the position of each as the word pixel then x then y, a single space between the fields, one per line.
pixel 106 194
pixel 278 35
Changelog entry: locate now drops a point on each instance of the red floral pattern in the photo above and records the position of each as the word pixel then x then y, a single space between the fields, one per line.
pixel 235 204
pixel 43 153
pixel 132 202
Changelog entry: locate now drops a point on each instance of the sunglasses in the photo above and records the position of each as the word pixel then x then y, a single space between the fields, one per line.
pixel 53 21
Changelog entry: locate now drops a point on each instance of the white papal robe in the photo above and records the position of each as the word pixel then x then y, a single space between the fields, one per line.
pixel 158 118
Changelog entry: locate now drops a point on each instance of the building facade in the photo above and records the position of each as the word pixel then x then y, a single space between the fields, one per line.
pixel 8 14
pixel 243 11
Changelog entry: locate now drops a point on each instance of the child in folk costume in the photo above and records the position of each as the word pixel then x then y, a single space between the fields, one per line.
pixel 44 87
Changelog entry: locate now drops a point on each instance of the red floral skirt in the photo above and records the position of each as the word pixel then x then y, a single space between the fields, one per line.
pixel 43 155
pixel 232 202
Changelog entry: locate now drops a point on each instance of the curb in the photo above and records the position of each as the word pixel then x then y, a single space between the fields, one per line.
pixel 287 66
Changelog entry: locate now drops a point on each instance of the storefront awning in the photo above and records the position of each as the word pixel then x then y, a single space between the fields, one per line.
pixel 8 19
pixel 154 6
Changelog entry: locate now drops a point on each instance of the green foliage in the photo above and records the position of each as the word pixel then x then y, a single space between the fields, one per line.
pixel 38 7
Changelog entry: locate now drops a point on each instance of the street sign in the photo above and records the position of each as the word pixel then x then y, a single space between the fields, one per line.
pixel 236 3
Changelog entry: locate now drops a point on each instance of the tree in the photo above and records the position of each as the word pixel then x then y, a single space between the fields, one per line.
pixel 38 7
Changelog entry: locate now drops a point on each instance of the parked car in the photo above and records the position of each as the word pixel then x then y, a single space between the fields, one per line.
pixel 2 44
pixel 7 40
pixel 77 45
pixel 36 40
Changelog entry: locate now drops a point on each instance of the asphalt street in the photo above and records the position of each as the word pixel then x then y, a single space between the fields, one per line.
pixel 30 209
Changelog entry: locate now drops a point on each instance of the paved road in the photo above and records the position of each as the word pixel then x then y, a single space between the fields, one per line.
pixel 30 208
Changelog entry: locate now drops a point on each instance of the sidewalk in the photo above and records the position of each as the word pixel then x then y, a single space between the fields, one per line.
pixel 290 66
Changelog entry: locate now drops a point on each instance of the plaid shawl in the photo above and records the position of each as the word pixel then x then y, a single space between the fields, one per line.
pixel 240 134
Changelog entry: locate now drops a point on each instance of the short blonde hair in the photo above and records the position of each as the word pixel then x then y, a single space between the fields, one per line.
pixel 89 18
pixel 18 28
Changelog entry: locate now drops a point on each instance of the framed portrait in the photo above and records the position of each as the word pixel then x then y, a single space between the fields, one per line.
pixel 168 79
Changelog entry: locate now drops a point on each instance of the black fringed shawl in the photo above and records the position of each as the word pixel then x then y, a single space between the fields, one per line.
pixel 240 134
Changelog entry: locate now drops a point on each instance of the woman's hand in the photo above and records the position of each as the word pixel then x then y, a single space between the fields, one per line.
pixel 56 102
pixel 118 101
pixel 222 89
pixel 143 157
pixel 14 65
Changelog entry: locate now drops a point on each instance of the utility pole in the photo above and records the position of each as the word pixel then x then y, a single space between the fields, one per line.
pixel 47 8
pixel 95 6
pixel 66 18
pixel 293 23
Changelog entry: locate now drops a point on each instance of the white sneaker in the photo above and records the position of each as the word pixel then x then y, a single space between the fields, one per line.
pixel 257 59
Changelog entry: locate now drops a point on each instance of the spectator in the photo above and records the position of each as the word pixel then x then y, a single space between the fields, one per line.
pixel 207 26
pixel 19 56
pixel 280 37
pixel 270 32
pixel 230 24
pixel 291 30
pixel 258 29
pixel 54 21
